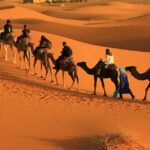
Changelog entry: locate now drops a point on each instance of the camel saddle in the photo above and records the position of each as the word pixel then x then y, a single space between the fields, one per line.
pixel 111 67
pixel 6 37
pixel 67 61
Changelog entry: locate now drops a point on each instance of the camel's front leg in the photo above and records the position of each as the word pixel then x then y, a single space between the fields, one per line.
pixel 51 73
pixel 24 59
pixel 6 52
pixel 28 59
pixel 146 91
pixel 35 60
pixel 14 55
pixel 20 60
pixel 42 69
pixel 63 78
pixel 103 85
pixel 95 84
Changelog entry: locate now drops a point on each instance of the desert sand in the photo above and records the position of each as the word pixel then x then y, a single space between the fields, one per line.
pixel 38 115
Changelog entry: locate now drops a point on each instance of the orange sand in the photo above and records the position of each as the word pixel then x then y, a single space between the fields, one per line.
pixel 37 115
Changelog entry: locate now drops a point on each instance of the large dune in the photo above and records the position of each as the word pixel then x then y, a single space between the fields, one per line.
pixel 120 34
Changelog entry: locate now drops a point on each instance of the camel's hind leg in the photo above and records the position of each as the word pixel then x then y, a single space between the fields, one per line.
pixel 14 54
pixel 6 52
pixel 35 60
pixel 146 91
pixel 73 79
pixel 56 77
pixel 103 85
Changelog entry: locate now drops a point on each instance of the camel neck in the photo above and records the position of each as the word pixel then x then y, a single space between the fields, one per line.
pixel 139 76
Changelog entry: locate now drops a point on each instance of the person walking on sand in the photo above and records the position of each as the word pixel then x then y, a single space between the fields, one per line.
pixel 124 85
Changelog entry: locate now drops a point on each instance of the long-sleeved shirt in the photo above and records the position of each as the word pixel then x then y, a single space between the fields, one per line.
pixel 109 59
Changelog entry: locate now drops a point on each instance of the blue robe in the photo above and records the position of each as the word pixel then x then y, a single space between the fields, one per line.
pixel 124 84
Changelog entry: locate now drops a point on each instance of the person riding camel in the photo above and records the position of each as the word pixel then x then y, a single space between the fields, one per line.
pixel 24 39
pixel 26 31
pixel 8 29
pixel 66 54
pixel 44 45
pixel 109 62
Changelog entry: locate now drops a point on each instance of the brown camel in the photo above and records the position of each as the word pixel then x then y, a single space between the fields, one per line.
pixel 42 56
pixel 6 42
pixel 24 47
pixel 69 67
pixel 104 73
pixel 140 76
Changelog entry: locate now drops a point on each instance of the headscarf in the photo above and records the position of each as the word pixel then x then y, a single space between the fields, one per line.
pixel 121 69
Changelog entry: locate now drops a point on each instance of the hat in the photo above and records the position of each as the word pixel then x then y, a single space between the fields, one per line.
pixel 121 69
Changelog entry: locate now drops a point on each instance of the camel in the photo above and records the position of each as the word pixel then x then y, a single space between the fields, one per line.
pixel 140 76
pixel 6 43
pixel 22 47
pixel 104 73
pixel 42 55
pixel 70 67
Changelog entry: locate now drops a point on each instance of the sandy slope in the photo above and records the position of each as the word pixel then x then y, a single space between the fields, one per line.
pixel 35 115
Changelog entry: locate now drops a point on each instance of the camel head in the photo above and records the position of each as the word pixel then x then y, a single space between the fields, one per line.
pixel 130 68
pixel 81 64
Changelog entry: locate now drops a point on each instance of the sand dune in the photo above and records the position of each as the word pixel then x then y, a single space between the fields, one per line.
pixel 38 115
pixel 120 35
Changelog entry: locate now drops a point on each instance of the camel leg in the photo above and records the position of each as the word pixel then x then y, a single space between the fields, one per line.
pixel 20 60
pixel 24 58
pixel 35 60
pixel 46 68
pixel 103 85
pixel 28 59
pixel 63 79
pixel 73 80
pixel 95 84
pixel 42 69
pixel 50 69
pixel 14 55
pixel 146 91
pixel 77 78
pixel 6 52
pixel 56 77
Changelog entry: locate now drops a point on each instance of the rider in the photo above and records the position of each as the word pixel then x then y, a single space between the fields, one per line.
pixel 26 31
pixel 65 53
pixel 44 44
pixel 25 37
pixel 109 62
pixel 8 29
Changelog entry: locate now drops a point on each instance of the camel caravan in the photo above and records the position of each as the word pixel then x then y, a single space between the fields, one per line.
pixel 65 63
